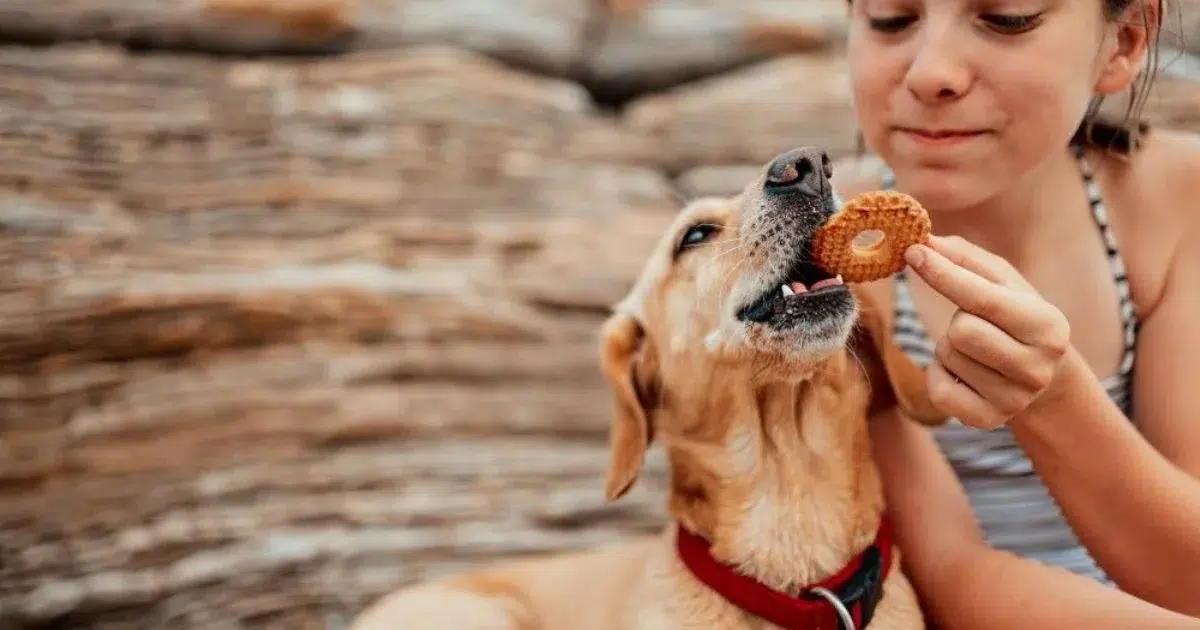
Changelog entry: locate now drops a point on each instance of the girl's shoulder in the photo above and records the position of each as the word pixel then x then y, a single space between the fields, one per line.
pixel 1153 203
pixel 1163 172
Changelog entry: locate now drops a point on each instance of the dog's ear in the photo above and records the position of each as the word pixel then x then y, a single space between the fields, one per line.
pixel 630 371
pixel 895 379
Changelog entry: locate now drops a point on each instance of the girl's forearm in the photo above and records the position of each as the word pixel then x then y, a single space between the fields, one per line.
pixel 1138 514
pixel 963 582
pixel 1035 596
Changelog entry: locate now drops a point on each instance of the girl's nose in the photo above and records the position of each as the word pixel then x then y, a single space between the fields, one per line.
pixel 939 70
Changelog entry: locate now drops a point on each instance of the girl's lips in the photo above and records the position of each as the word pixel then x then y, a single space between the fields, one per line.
pixel 940 137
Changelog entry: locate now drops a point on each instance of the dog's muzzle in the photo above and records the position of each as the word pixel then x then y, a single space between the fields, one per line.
pixel 797 199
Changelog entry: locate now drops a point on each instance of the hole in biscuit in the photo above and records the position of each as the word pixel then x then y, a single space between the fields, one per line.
pixel 867 241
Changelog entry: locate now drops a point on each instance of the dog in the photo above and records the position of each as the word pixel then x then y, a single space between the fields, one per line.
pixel 757 372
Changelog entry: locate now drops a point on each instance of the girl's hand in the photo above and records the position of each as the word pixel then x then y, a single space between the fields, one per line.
pixel 1005 344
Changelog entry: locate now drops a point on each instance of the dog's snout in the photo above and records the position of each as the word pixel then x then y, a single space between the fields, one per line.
pixel 806 170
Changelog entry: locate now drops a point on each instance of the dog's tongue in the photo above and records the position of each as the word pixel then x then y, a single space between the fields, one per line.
pixel 796 288
pixel 828 282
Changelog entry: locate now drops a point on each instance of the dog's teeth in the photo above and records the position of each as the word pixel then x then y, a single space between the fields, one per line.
pixel 787 291
pixel 838 279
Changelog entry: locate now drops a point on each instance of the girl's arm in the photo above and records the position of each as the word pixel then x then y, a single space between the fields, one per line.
pixel 963 583
pixel 1007 359
pixel 1134 501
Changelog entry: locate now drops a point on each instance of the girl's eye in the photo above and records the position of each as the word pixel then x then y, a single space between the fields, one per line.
pixel 1012 24
pixel 696 234
pixel 893 24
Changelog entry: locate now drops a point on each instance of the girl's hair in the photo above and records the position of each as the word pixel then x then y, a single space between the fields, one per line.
pixel 1102 130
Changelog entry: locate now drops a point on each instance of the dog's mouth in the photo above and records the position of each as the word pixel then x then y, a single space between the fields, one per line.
pixel 804 283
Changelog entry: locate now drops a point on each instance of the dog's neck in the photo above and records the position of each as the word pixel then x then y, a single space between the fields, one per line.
pixel 790 494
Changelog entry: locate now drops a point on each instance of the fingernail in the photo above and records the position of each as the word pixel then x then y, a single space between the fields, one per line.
pixel 914 256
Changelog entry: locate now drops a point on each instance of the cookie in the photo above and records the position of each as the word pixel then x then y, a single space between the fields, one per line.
pixel 896 220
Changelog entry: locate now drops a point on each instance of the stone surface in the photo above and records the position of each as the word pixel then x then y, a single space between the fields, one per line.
pixel 749 116
pixel 1181 21
pixel 647 47
pixel 548 36
pixel 223 25
pixel 278 336
pixel 1173 101
pixel 667 42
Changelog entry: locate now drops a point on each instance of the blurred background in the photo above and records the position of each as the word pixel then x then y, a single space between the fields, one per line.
pixel 299 299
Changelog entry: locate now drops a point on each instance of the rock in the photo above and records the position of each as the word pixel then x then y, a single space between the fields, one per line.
pixel 546 35
pixel 669 42
pixel 542 35
pixel 1181 22
pixel 1173 102
pixel 751 115
pixel 361 132
pixel 1179 63
pixel 716 181
pixel 1170 103
pixel 296 536
pixel 240 26
pixel 278 336
pixel 649 47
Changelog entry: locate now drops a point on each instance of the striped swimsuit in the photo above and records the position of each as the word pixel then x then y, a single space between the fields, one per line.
pixel 1012 504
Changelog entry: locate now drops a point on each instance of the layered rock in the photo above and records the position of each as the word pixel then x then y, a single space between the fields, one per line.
pixel 595 42
pixel 279 335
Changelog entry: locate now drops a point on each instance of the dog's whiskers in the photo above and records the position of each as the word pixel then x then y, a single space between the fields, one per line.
pixel 725 294
pixel 854 355
pixel 726 241
pixel 858 360
pixel 731 250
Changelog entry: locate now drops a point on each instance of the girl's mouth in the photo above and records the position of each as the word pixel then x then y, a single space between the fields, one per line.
pixel 940 137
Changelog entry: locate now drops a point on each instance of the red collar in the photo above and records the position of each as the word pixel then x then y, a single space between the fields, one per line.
pixel 859 586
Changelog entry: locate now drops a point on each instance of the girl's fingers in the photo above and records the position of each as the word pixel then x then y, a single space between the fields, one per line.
pixel 1002 395
pixel 978 260
pixel 984 343
pixel 954 398
pixel 1019 313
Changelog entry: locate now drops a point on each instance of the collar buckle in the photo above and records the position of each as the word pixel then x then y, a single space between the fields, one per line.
pixel 843 613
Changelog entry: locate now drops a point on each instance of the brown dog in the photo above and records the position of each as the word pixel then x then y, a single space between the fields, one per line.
pixel 756 372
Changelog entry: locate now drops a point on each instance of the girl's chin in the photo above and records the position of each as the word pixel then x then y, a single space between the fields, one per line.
pixel 945 190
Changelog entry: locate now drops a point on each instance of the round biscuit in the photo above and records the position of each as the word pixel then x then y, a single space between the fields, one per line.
pixel 898 217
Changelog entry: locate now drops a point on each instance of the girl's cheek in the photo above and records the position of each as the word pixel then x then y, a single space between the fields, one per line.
pixel 869 86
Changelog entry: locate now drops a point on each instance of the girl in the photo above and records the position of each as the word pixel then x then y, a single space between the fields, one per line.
pixel 1060 321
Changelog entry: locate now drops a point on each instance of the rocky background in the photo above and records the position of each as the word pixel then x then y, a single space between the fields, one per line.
pixel 299 298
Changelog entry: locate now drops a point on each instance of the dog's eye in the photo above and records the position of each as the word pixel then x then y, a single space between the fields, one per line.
pixel 696 234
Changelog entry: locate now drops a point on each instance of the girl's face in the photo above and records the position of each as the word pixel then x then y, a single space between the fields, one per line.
pixel 962 98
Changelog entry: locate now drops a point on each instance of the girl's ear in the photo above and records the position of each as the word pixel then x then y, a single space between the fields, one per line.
pixel 1136 32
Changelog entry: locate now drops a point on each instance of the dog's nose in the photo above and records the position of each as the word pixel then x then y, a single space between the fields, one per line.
pixel 806 170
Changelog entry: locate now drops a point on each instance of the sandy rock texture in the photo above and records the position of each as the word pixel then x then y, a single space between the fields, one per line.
pixel 276 336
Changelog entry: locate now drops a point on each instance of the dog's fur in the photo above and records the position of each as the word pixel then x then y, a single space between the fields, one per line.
pixel 764 426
